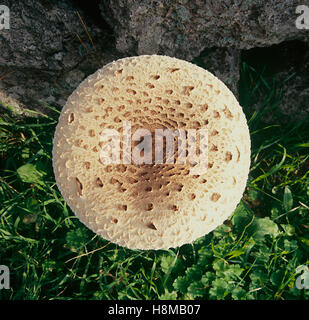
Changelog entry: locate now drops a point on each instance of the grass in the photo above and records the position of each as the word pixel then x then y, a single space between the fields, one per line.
pixel 254 255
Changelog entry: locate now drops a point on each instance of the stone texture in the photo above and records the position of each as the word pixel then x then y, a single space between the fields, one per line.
pixel 184 28
pixel 46 53
pixel 295 88
pixel 295 97
pixel 288 65
pixel 223 63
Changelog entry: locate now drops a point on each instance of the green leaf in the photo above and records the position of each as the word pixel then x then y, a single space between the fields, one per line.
pixel 194 273
pixel 76 239
pixel 196 289
pixel 288 229
pixel 262 256
pixel 219 289
pixel 258 279
pixel 287 199
pixel 31 173
pixel 220 267
pixel 305 242
pixel 205 257
pixel 236 253
pixel 254 194
pixel 229 272
pixel 275 210
pixel 168 295
pixel 221 231
pixel 241 218
pixel 262 227
pixel 238 294
pixel 166 263
pixel 181 284
pixel 25 153
pixel 233 272
pixel 302 145
pixel 276 277
pixel 290 245
pixel 208 278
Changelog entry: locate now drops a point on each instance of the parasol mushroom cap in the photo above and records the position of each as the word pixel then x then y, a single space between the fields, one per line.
pixel 151 206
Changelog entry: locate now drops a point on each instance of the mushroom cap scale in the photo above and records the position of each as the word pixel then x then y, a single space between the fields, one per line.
pixel 151 206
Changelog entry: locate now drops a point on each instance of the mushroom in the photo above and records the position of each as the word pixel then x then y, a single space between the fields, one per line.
pixel 151 205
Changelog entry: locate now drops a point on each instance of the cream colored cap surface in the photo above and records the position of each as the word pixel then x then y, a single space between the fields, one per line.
pixel 151 206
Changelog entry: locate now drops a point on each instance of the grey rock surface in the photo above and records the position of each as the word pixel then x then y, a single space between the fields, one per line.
pixel 223 63
pixel 285 69
pixel 184 28
pixel 47 52
pixel 295 91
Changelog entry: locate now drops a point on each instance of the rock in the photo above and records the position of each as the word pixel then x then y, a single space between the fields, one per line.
pixel 295 92
pixel 287 66
pixel 185 28
pixel 46 53
pixel 223 63
pixel 295 97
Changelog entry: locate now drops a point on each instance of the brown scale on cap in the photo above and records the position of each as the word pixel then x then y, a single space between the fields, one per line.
pixel 151 205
